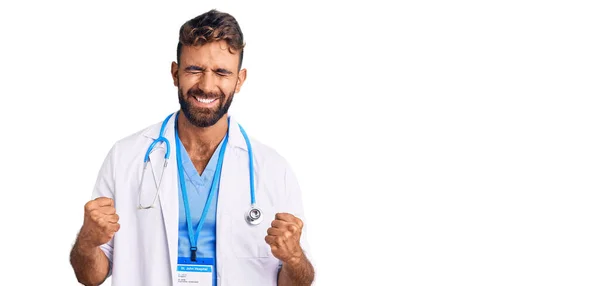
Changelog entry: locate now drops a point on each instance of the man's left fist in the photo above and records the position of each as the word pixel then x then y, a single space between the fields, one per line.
pixel 284 237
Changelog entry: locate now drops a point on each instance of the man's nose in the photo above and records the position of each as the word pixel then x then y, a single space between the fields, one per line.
pixel 207 83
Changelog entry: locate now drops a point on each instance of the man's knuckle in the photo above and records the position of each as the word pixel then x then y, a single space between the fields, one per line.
pixel 105 221
pixel 89 206
pixel 280 240
pixel 95 215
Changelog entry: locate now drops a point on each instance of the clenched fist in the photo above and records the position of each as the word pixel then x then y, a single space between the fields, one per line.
pixel 284 237
pixel 100 222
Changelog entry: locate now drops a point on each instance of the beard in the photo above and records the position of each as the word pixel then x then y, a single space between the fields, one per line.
pixel 204 117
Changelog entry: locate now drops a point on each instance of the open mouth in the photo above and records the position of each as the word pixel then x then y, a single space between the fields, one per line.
pixel 205 100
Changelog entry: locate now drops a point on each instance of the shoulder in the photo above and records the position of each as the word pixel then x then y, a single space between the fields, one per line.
pixel 263 153
pixel 134 140
pixel 273 167
pixel 266 152
pixel 267 155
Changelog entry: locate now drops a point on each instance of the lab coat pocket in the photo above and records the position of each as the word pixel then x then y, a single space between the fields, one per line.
pixel 248 241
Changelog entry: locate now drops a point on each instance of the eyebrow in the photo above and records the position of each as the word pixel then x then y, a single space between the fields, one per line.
pixel 197 68
pixel 221 70
pixel 194 68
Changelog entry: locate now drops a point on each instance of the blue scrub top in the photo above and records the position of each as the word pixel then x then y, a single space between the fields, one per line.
pixel 198 187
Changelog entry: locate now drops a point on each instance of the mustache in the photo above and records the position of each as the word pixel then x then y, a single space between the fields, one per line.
pixel 196 92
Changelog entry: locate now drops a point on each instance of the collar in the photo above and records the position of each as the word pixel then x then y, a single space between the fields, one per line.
pixel 236 138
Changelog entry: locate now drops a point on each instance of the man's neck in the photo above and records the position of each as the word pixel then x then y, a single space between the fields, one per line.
pixel 201 141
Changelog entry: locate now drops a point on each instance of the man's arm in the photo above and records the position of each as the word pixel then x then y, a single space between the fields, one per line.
pixel 100 223
pixel 299 272
pixel 88 258
pixel 89 263
pixel 288 239
pixel 284 238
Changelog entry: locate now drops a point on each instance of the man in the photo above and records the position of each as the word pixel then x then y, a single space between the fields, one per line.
pixel 194 217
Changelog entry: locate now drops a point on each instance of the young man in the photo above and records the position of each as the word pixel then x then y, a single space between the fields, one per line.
pixel 194 200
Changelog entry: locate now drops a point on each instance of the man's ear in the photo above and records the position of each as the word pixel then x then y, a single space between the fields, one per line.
pixel 240 80
pixel 175 73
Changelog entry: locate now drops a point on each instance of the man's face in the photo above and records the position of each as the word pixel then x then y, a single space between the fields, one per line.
pixel 207 77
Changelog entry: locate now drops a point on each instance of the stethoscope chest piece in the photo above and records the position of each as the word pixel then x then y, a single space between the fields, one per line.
pixel 254 216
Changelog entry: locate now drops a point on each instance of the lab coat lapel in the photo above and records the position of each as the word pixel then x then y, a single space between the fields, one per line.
pixel 153 176
pixel 225 196
pixel 232 188
pixel 152 173
pixel 169 198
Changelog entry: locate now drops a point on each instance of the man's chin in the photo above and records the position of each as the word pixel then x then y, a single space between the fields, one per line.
pixel 204 119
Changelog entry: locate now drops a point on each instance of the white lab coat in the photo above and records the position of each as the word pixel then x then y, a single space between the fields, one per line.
pixel 144 251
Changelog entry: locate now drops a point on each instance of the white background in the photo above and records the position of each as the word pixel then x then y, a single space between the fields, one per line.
pixel 437 142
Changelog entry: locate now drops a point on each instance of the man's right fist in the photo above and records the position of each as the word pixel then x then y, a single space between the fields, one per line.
pixel 100 222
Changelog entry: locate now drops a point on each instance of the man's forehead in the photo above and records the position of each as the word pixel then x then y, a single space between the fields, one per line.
pixel 214 52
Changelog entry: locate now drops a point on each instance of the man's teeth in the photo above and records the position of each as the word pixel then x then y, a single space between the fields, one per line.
pixel 204 100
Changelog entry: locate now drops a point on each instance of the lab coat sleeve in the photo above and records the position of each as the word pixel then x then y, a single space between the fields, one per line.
pixel 295 206
pixel 105 187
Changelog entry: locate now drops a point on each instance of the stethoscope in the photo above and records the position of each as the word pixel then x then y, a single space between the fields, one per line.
pixel 253 215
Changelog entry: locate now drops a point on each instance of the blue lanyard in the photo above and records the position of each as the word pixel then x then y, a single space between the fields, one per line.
pixel 216 179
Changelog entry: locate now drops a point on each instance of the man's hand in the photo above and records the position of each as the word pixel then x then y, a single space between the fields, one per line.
pixel 100 223
pixel 284 238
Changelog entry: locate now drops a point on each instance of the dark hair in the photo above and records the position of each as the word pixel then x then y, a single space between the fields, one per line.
pixel 210 27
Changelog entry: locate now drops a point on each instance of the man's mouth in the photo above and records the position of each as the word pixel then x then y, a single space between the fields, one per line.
pixel 205 100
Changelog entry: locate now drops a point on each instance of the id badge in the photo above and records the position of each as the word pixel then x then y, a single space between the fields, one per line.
pixel 197 273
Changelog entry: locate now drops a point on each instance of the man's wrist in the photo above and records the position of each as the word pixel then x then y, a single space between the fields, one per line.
pixel 294 262
pixel 296 271
pixel 85 248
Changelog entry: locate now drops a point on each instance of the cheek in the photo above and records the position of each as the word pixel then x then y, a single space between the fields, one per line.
pixel 186 83
pixel 229 85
